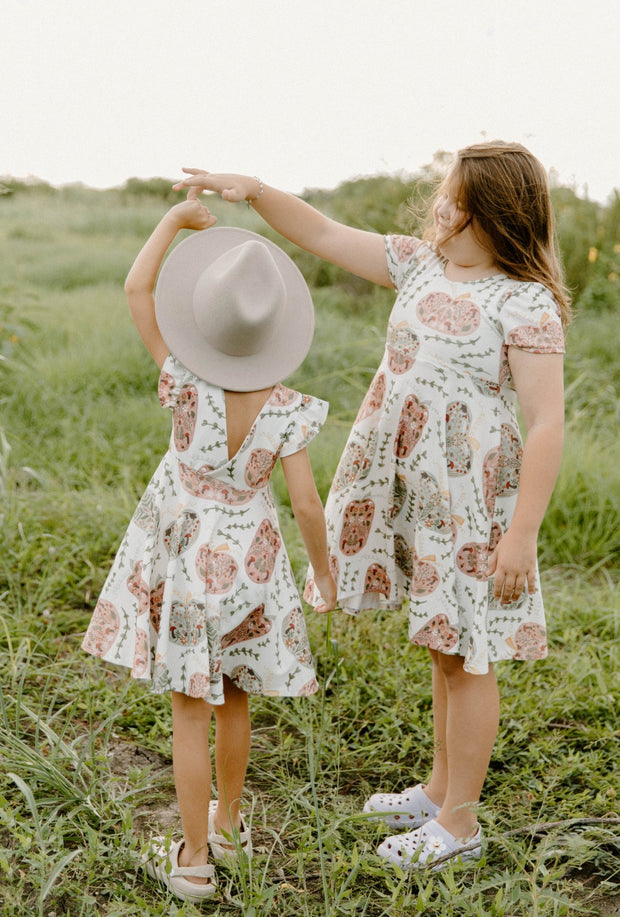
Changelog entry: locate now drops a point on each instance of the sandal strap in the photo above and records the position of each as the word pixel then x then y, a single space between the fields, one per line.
pixel 207 871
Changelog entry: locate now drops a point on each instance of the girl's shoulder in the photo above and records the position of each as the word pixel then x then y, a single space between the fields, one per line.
pixel 404 253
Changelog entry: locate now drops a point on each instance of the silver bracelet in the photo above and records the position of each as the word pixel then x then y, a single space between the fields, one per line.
pixel 261 188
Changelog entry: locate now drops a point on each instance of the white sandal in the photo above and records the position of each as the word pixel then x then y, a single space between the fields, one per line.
pixel 227 847
pixel 409 809
pixel 162 864
pixel 428 843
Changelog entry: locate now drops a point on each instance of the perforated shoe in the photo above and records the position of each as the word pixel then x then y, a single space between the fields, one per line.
pixel 409 809
pixel 427 844
pixel 162 863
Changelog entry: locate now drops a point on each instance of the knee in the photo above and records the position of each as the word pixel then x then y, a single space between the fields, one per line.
pixel 451 667
pixel 190 708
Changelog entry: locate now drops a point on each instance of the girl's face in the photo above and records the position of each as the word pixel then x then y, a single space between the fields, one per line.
pixel 456 237
pixel 447 214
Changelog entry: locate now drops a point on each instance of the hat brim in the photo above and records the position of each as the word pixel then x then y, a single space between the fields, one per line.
pixel 282 354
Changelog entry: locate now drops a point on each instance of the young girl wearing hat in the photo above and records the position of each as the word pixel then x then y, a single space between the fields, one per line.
pixel 201 600
pixel 436 500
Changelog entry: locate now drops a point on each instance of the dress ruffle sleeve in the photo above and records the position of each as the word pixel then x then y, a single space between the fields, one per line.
pixel 530 320
pixel 305 423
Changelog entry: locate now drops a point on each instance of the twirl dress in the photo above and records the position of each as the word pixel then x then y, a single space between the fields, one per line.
pixel 428 479
pixel 202 586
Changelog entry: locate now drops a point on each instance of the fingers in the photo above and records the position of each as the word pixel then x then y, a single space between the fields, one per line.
pixel 509 587
pixel 192 194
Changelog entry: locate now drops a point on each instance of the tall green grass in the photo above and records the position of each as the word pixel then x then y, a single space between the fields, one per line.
pixel 87 754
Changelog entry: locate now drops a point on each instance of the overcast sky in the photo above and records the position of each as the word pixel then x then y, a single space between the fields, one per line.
pixel 305 93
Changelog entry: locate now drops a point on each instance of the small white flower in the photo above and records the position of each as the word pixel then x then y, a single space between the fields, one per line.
pixel 435 845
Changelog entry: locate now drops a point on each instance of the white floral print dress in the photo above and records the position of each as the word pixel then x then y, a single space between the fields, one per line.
pixel 202 585
pixel 428 479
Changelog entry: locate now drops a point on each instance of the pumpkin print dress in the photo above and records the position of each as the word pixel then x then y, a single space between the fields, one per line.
pixel 202 586
pixel 428 479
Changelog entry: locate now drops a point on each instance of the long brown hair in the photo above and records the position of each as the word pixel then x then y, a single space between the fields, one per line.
pixel 504 190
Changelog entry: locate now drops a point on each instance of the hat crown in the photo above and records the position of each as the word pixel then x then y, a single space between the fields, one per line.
pixel 238 300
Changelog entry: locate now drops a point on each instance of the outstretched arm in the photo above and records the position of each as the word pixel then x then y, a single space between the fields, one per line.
pixel 308 511
pixel 355 250
pixel 539 386
pixel 140 282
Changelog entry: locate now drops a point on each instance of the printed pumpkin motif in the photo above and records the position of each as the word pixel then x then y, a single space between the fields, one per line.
pixel 529 642
pixel 253 626
pixel 199 685
pixel 358 516
pixel 103 629
pixel 413 418
pixel 425 576
pixel 437 634
pixel 349 466
pixel 200 484
pixel 165 388
pixel 457 317
pixel 295 636
pixel 187 623
pixel 156 601
pixel 217 568
pixel 140 654
pixel 377 580
pixel 399 495
pixel 247 679
pixel 184 417
pixel 509 466
pixel 282 396
pixel 139 588
pixel 472 558
pixel 405 246
pixel 434 505
pixel 261 557
pixel 259 467
pixel 501 467
pixel 402 347
pixel 403 557
pixel 182 533
pixel 146 515
pixel 373 400
pixel 459 451
pixel 310 687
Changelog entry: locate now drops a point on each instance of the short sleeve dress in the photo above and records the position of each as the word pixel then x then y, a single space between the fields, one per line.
pixel 428 479
pixel 202 586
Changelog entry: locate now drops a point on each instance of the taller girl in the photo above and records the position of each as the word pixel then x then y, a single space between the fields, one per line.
pixel 436 500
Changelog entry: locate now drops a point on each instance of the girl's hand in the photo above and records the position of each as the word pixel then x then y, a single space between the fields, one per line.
pixel 233 188
pixel 327 587
pixel 191 214
pixel 513 566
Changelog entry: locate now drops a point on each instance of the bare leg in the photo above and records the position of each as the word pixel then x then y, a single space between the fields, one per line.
pixel 471 724
pixel 232 751
pixel 191 722
pixel 438 782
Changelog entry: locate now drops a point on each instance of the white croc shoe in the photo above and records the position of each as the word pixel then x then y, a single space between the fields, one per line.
pixel 427 844
pixel 409 809
pixel 227 848
pixel 162 863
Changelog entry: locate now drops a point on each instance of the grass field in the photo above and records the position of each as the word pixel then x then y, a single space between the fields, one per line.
pixel 86 754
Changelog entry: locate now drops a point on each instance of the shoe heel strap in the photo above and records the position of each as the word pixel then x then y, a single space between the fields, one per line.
pixel 199 872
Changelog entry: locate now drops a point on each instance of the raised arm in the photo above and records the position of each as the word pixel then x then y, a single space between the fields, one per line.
pixel 140 282
pixel 308 511
pixel 539 386
pixel 360 252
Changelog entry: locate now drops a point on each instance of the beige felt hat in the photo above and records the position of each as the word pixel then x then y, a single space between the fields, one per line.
pixel 234 309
